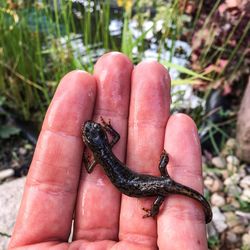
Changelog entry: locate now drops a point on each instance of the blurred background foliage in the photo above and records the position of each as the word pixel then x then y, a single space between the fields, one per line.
pixel 203 44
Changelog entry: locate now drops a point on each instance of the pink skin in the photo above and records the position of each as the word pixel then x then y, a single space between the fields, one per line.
pixel 137 102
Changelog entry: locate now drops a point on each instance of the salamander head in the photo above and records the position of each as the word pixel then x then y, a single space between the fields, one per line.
pixel 94 136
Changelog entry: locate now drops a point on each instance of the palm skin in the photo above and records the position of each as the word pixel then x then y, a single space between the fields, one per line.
pixel 58 188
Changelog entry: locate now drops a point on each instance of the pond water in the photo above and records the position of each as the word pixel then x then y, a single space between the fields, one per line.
pixel 182 95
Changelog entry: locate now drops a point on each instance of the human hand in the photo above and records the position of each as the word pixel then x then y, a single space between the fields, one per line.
pixel 58 188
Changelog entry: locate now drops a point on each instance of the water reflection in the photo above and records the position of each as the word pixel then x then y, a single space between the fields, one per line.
pixel 177 52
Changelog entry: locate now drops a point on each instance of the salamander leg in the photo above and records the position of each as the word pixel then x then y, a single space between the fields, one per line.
pixel 109 129
pixel 155 207
pixel 164 159
pixel 88 165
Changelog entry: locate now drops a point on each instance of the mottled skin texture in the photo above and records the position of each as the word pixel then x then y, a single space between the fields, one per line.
pixel 129 182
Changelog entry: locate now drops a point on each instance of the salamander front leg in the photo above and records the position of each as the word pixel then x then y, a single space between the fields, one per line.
pixel 88 165
pixel 109 129
pixel 164 159
pixel 155 207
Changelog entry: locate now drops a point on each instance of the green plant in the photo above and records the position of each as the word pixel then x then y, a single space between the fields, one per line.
pixel 6 130
pixel 213 241
pixel 33 56
pixel 245 247
pixel 220 41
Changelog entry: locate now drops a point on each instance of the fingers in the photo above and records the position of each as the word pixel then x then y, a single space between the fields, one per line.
pixel 51 186
pixel 98 206
pixel 149 111
pixel 181 223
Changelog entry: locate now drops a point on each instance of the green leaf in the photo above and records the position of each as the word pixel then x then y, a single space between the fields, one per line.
pixel 2 100
pixel 8 131
pixel 190 80
pixel 184 70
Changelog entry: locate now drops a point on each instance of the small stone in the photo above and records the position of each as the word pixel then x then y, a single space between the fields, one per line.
pixel 208 182
pixel 245 195
pixel 217 200
pixel 233 220
pixel 225 174
pixel 231 168
pixel 15 164
pixel 242 171
pixel 28 146
pixel 233 160
pixel 219 162
pixel 247 169
pixel 7 173
pixel 240 229
pixel 232 180
pixel 246 239
pixel 235 203
pixel 22 151
pixel 233 190
pixel 245 182
pixel 231 143
pixel 231 237
pixel 230 146
pixel 213 184
pixel 244 215
pixel 211 230
pixel 219 220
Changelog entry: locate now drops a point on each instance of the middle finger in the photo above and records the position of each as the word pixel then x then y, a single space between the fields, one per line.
pixel 149 111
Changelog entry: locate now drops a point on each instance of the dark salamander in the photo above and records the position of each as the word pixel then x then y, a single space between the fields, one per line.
pixel 127 181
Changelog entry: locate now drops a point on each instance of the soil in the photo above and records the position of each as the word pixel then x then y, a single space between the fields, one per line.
pixel 16 153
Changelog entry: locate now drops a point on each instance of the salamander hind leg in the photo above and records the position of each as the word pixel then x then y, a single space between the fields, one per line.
pixel 109 129
pixel 164 159
pixel 154 210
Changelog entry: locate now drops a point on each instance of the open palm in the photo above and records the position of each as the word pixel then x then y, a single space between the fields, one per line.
pixel 58 190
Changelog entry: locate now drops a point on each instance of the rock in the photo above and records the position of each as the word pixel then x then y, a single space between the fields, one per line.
pixel 4 174
pixel 211 230
pixel 219 162
pixel 240 229
pixel 219 220
pixel 232 180
pixel 231 237
pixel 242 171
pixel 217 200
pixel 229 147
pixel 225 174
pixel 208 182
pixel 245 195
pixel 231 159
pixel 10 197
pixel 246 240
pixel 213 184
pixel 233 220
pixel 244 215
pixel 22 151
pixel 231 168
pixel 29 146
pixel 231 143
pixel 245 182
pixel 233 190
pixel 235 203
pixel 247 169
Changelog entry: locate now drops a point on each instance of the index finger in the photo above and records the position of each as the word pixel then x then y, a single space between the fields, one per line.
pixel 51 187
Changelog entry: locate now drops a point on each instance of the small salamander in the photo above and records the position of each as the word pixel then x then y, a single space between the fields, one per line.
pixel 127 181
